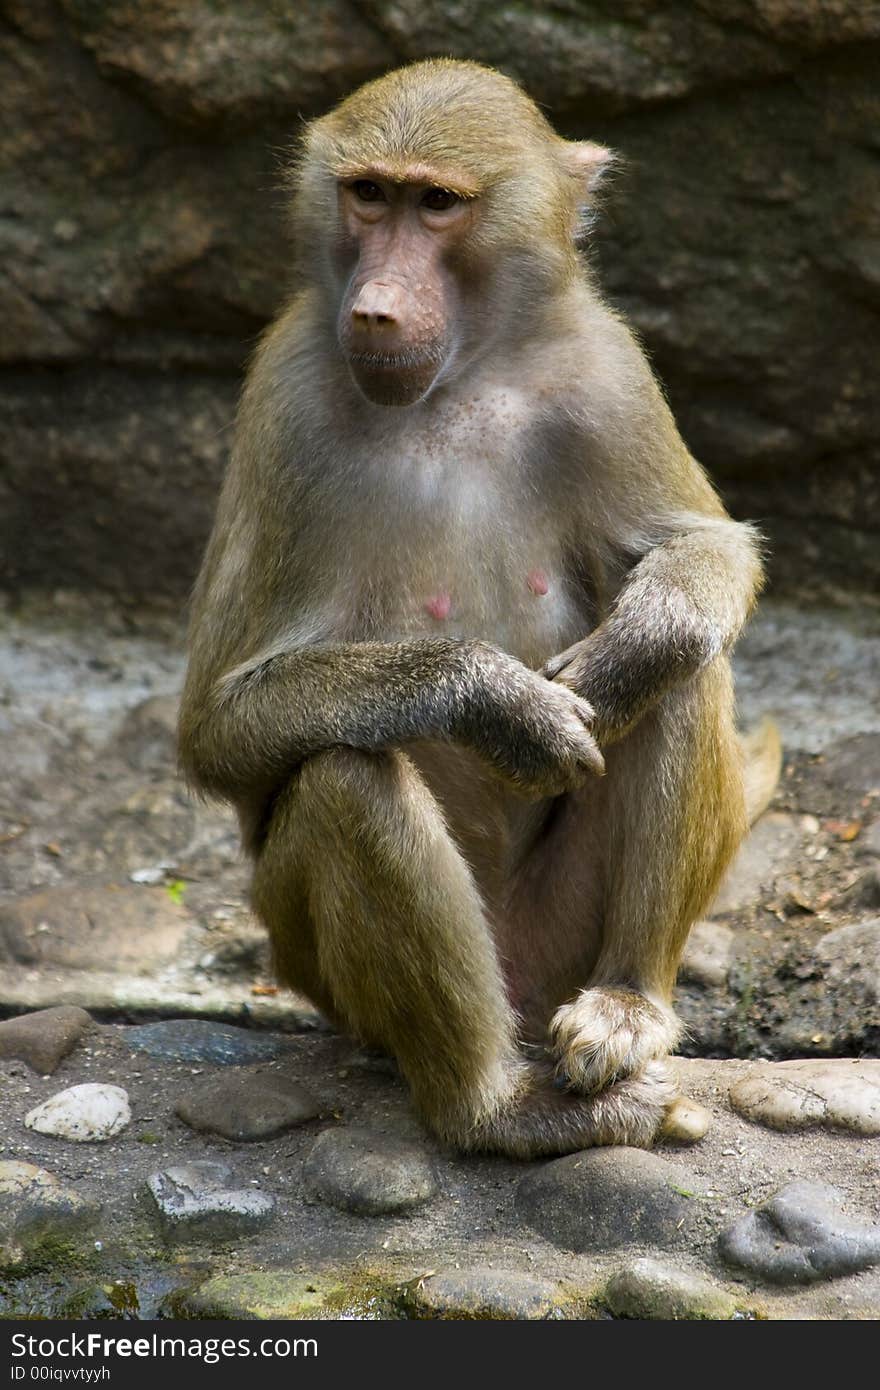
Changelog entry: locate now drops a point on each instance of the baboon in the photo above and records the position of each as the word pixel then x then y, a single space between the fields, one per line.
pixel 459 645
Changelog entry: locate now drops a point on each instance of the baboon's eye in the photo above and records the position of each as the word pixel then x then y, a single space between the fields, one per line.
pixel 368 192
pixel 439 199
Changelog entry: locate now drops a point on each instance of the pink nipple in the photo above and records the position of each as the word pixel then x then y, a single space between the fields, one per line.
pixel 440 606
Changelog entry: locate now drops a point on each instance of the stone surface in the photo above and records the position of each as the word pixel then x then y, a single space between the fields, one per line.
pixel 136 929
pixel 88 1113
pixel 839 1093
pixel 260 1294
pixel 865 892
pixel 800 1235
pixel 38 1214
pixel 482 1293
pixel 645 1288
pixel 848 961
pixel 368 1174
pixel 775 843
pixel 195 1040
pixel 195 1202
pixel 706 958
pixel 244 1107
pixel 867 846
pixel 608 1198
pixel 42 1039
pixel 723 247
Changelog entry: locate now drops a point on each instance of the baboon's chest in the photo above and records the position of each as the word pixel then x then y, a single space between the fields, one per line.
pixel 462 538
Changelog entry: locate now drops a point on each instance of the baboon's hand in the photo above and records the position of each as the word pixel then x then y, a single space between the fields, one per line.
pixel 569 666
pixel 535 734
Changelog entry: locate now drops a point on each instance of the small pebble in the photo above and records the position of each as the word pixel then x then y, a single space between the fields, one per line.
pixel 196 1040
pixel 799 1236
pixel 686 1121
pixel 838 1093
pixel 196 1202
pixel 36 1211
pixel 607 1197
pixel 365 1173
pixel 88 1113
pixel 245 1108
pixel 481 1293
pixel 645 1288
pixel 43 1038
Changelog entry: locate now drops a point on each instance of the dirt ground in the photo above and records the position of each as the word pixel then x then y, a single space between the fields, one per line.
pixel 122 895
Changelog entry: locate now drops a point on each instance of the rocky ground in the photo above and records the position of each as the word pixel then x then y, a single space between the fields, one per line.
pixel 238 1158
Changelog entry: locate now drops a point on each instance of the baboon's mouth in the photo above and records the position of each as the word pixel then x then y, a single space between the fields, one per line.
pixel 396 378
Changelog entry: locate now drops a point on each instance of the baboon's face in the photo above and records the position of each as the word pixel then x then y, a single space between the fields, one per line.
pixel 396 322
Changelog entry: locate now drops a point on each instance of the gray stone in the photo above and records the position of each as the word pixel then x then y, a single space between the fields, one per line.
pixel 262 1294
pixel 371 1061
pixel 126 929
pixel 850 961
pixel 837 783
pixel 195 1202
pixel 366 1173
pixel 706 958
pixel 195 1040
pixel 645 1288
pixel 43 1038
pixel 774 845
pixel 148 736
pixel 864 893
pixel 838 1093
pixel 244 1107
pixel 867 845
pixel 38 1214
pixel 604 1198
pixel 799 1236
pixel 89 1113
pixel 481 1293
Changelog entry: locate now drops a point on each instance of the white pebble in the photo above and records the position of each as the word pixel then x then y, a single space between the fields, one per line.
pixel 87 1112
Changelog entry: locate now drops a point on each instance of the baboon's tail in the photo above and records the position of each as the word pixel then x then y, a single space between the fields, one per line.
pixel 762 763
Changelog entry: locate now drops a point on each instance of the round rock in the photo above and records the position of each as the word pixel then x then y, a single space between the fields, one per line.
pixel 36 1212
pixel 259 1294
pixel 686 1121
pixel 195 1201
pixel 245 1108
pixel 648 1289
pixel 799 1236
pixel 707 954
pixel 481 1293
pixel 365 1173
pixel 87 1114
pixel 43 1038
pixel 604 1198
pixel 196 1040
pixel 839 1093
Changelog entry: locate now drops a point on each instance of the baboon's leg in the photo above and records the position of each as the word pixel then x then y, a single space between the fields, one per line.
pixel 672 815
pixel 372 908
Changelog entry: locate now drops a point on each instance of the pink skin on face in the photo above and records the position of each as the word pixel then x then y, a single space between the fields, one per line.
pixel 537 582
pixel 440 606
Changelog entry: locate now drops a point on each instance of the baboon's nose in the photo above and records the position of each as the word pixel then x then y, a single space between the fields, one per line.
pixel 379 308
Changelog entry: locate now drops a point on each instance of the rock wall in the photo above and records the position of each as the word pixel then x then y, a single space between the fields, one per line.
pixel 142 245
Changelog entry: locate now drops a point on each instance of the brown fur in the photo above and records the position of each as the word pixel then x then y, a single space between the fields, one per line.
pixel 414 626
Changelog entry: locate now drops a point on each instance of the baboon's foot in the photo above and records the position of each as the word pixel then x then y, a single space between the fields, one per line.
pixel 606 1034
pixel 545 1120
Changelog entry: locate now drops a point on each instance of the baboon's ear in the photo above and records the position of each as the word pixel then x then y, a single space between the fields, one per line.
pixel 588 162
